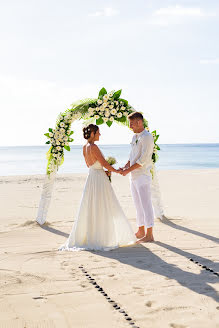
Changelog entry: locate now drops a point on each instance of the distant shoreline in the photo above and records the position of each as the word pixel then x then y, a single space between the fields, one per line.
pixel 161 144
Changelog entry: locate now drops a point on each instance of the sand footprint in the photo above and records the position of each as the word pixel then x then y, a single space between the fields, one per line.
pixel 148 304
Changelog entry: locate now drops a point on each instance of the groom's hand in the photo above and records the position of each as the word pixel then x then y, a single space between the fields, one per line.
pixel 125 172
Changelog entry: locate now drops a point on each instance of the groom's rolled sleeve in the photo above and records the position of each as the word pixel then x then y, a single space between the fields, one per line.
pixel 147 144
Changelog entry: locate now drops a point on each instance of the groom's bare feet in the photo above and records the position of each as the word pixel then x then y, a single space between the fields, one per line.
pixel 140 233
pixel 146 239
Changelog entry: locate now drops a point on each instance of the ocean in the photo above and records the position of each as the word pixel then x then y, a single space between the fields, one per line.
pixel 25 160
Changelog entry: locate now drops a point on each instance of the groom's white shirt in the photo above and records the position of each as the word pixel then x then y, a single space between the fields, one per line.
pixel 141 152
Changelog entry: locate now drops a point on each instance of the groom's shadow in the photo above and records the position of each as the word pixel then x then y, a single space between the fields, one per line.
pixel 142 258
pixel 167 221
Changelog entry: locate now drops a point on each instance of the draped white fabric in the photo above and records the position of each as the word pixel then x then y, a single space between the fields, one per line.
pixel 45 198
pixel 48 188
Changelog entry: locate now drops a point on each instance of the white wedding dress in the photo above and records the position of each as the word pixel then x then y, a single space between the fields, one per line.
pixel 101 223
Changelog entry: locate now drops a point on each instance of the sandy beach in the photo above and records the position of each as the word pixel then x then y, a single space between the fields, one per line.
pixel 156 284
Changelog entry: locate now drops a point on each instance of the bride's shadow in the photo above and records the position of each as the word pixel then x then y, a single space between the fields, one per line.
pixel 142 258
pixel 168 221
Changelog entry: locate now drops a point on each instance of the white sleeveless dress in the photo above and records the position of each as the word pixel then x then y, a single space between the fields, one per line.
pixel 101 223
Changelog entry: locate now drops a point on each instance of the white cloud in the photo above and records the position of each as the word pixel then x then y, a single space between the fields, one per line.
pixel 179 11
pixel 108 12
pixel 176 15
pixel 209 61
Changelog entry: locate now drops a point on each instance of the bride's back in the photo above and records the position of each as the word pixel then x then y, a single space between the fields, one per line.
pixel 89 157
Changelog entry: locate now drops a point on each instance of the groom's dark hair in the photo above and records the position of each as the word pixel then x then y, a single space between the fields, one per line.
pixel 136 116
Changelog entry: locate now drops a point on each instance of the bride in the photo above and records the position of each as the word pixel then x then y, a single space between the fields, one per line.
pixel 101 223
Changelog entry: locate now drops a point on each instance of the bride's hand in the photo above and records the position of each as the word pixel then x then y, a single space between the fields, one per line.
pixel 119 171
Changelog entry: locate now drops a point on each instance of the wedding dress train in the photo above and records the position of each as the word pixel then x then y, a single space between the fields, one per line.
pixel 101 223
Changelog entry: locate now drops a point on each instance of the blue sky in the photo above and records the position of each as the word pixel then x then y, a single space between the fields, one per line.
pixel 163 54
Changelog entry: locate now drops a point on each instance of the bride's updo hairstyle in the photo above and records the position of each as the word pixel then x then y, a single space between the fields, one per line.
pixel 88 129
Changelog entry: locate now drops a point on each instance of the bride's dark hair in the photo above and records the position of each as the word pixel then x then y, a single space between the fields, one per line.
pixel 88 129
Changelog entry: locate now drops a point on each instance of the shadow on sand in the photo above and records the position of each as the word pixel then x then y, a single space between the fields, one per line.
pixel 168 221
pixel 142 258
pixel 55 231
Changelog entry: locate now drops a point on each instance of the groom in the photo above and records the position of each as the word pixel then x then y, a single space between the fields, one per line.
pixel 139 165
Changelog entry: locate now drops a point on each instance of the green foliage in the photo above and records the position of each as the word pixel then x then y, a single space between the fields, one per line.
pixel 145 123
pixel 48 142
pixel 99 121
pixel 46 134
pixel 124 101
pixel 109 123
pixel 71 133
pixel 121 119
pixel 117 94
pixel 102 93
pixel 50 130
pixel 67 148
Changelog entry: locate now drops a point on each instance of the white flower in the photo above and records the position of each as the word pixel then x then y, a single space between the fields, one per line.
pixel 105 98
pixel 111 106
pixel 90 110
pixel 57 142
pixel 105 119
pixel 104 104
pixel 111 94
pixel 121 102
pixel 107 114
pixel 65 138
pixel 119 115
pixel 67 143
pixel 153 134
pixel 96 117
pixel 123 108
pixel 58 148
pixel 99 101
pixel 60 117
pixel 50 134
pixel 111 119
pixel 113 111
pixel 62 124
pixel 147 129
pixel 116 102
pixel 125 113
pixel 62 130
pixel 97 109
pixel 101 108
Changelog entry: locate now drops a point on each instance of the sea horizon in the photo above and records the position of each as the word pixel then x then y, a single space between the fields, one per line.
pixel 30 160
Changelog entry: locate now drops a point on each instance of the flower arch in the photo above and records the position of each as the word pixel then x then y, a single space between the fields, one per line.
pixel 106 109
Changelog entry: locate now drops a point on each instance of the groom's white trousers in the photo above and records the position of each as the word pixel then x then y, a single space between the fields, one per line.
pixel 141 193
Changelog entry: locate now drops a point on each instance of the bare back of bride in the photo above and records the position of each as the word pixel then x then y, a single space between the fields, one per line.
pixel 101 223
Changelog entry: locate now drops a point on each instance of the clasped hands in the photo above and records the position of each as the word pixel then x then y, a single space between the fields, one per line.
pixel 123 171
